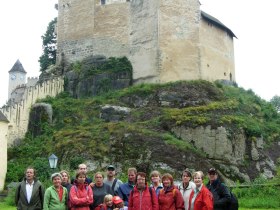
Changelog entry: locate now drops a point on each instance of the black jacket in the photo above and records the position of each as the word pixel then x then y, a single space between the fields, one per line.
pixel 220 193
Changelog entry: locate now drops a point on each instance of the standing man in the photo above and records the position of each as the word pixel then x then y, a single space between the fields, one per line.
pixel 29 193
pixel 82 168
pixel 142 197
pixel 124 189
pixel 219 191
pixel 113 182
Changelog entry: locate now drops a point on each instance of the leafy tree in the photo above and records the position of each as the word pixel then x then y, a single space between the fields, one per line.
pixel 49 47
pixel 276 102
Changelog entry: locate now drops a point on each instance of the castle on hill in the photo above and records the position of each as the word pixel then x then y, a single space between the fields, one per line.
pixel 164 40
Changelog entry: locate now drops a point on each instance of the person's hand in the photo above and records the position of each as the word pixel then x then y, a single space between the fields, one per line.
pixel 92 184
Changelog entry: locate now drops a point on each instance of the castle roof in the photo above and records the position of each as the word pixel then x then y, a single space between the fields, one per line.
pixel 17 67
pixel 217 23
pixel 3 118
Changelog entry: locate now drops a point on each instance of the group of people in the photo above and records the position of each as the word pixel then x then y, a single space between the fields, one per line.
pixel 110 193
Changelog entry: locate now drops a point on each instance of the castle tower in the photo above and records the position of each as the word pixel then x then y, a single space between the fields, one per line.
pixel 165 40
pixel 17 76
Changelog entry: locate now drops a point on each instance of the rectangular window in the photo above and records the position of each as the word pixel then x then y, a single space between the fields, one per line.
pixel 103 2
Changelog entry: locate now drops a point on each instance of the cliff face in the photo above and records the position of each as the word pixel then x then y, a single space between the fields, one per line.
pixel 168 127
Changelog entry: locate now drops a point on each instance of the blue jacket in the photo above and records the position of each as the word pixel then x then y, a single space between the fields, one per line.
pixel 124 191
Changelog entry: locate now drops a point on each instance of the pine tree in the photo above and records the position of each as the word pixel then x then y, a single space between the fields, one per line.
pixel 49 47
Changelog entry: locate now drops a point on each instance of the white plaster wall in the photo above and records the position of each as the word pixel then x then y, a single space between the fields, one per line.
pixel 3 153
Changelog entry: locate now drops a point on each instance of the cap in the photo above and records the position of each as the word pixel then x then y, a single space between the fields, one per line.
pixel 117 200
pixel 110 167
pixel 212 170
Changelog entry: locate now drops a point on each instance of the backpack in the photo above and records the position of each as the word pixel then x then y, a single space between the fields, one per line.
pixel 233 202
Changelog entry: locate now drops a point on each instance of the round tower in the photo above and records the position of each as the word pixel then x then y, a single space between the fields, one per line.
pixel 17 76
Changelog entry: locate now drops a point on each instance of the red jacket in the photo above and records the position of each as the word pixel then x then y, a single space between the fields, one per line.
pixel 203 201
pixel 81 197
pixel 101 206
pixel 145 200
pixel 170 199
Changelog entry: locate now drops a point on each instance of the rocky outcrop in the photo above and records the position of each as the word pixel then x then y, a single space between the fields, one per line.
pixel 229 150
pixel 40 113
pixel 92 78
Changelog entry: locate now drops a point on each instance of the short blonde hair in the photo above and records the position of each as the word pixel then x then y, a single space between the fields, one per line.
pixel 132 170
pixel 108 197
pixel 155 173
pixel 199 173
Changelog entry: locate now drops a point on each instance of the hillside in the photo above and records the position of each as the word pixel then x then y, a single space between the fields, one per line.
pixel 169 127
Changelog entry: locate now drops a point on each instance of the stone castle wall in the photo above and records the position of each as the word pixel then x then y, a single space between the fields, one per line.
pixel 18 113
pixel 179 40
pixel 217 53
pixel 87 28
pixel 165 40
pixel 144 46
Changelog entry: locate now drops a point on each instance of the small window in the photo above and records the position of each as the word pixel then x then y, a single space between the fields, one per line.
pixel 103 2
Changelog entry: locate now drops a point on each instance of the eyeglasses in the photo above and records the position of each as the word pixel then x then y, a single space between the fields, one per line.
pixel 212 173
pixel 141 179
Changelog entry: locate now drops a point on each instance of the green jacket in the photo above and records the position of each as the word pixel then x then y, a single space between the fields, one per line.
pixel 37 197
pixel 51 199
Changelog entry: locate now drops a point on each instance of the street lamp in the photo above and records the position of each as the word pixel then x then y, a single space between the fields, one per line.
pixel 53 161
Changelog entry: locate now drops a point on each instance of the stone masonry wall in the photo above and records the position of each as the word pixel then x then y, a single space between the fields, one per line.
pixel 144 40
pixel 217 53
pixel 179 40
pixel 165 40
pixel 87 28
pixel 18 113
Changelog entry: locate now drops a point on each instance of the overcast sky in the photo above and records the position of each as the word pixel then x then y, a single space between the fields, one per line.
pixel 254 22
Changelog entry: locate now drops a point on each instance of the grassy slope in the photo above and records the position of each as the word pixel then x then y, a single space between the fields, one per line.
pixel 77 127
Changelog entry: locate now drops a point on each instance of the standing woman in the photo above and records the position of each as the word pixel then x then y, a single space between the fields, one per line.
pixel 81 196
pixel 66 183
pixel 100 189
pixel 56 196
pixel 66 180
pixel 200 198
pixel 186 187
pixel 169 197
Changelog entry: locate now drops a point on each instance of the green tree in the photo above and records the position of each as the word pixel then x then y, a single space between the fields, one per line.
pixel 49 47
pixel 276 102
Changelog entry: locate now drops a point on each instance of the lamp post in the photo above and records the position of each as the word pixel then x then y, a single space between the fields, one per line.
pixel 53 161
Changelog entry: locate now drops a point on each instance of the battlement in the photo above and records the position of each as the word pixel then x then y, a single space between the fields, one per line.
pixel 32 81
pixel 17 109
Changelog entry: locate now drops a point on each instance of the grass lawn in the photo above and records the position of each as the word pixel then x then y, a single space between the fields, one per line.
pixel 4 206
